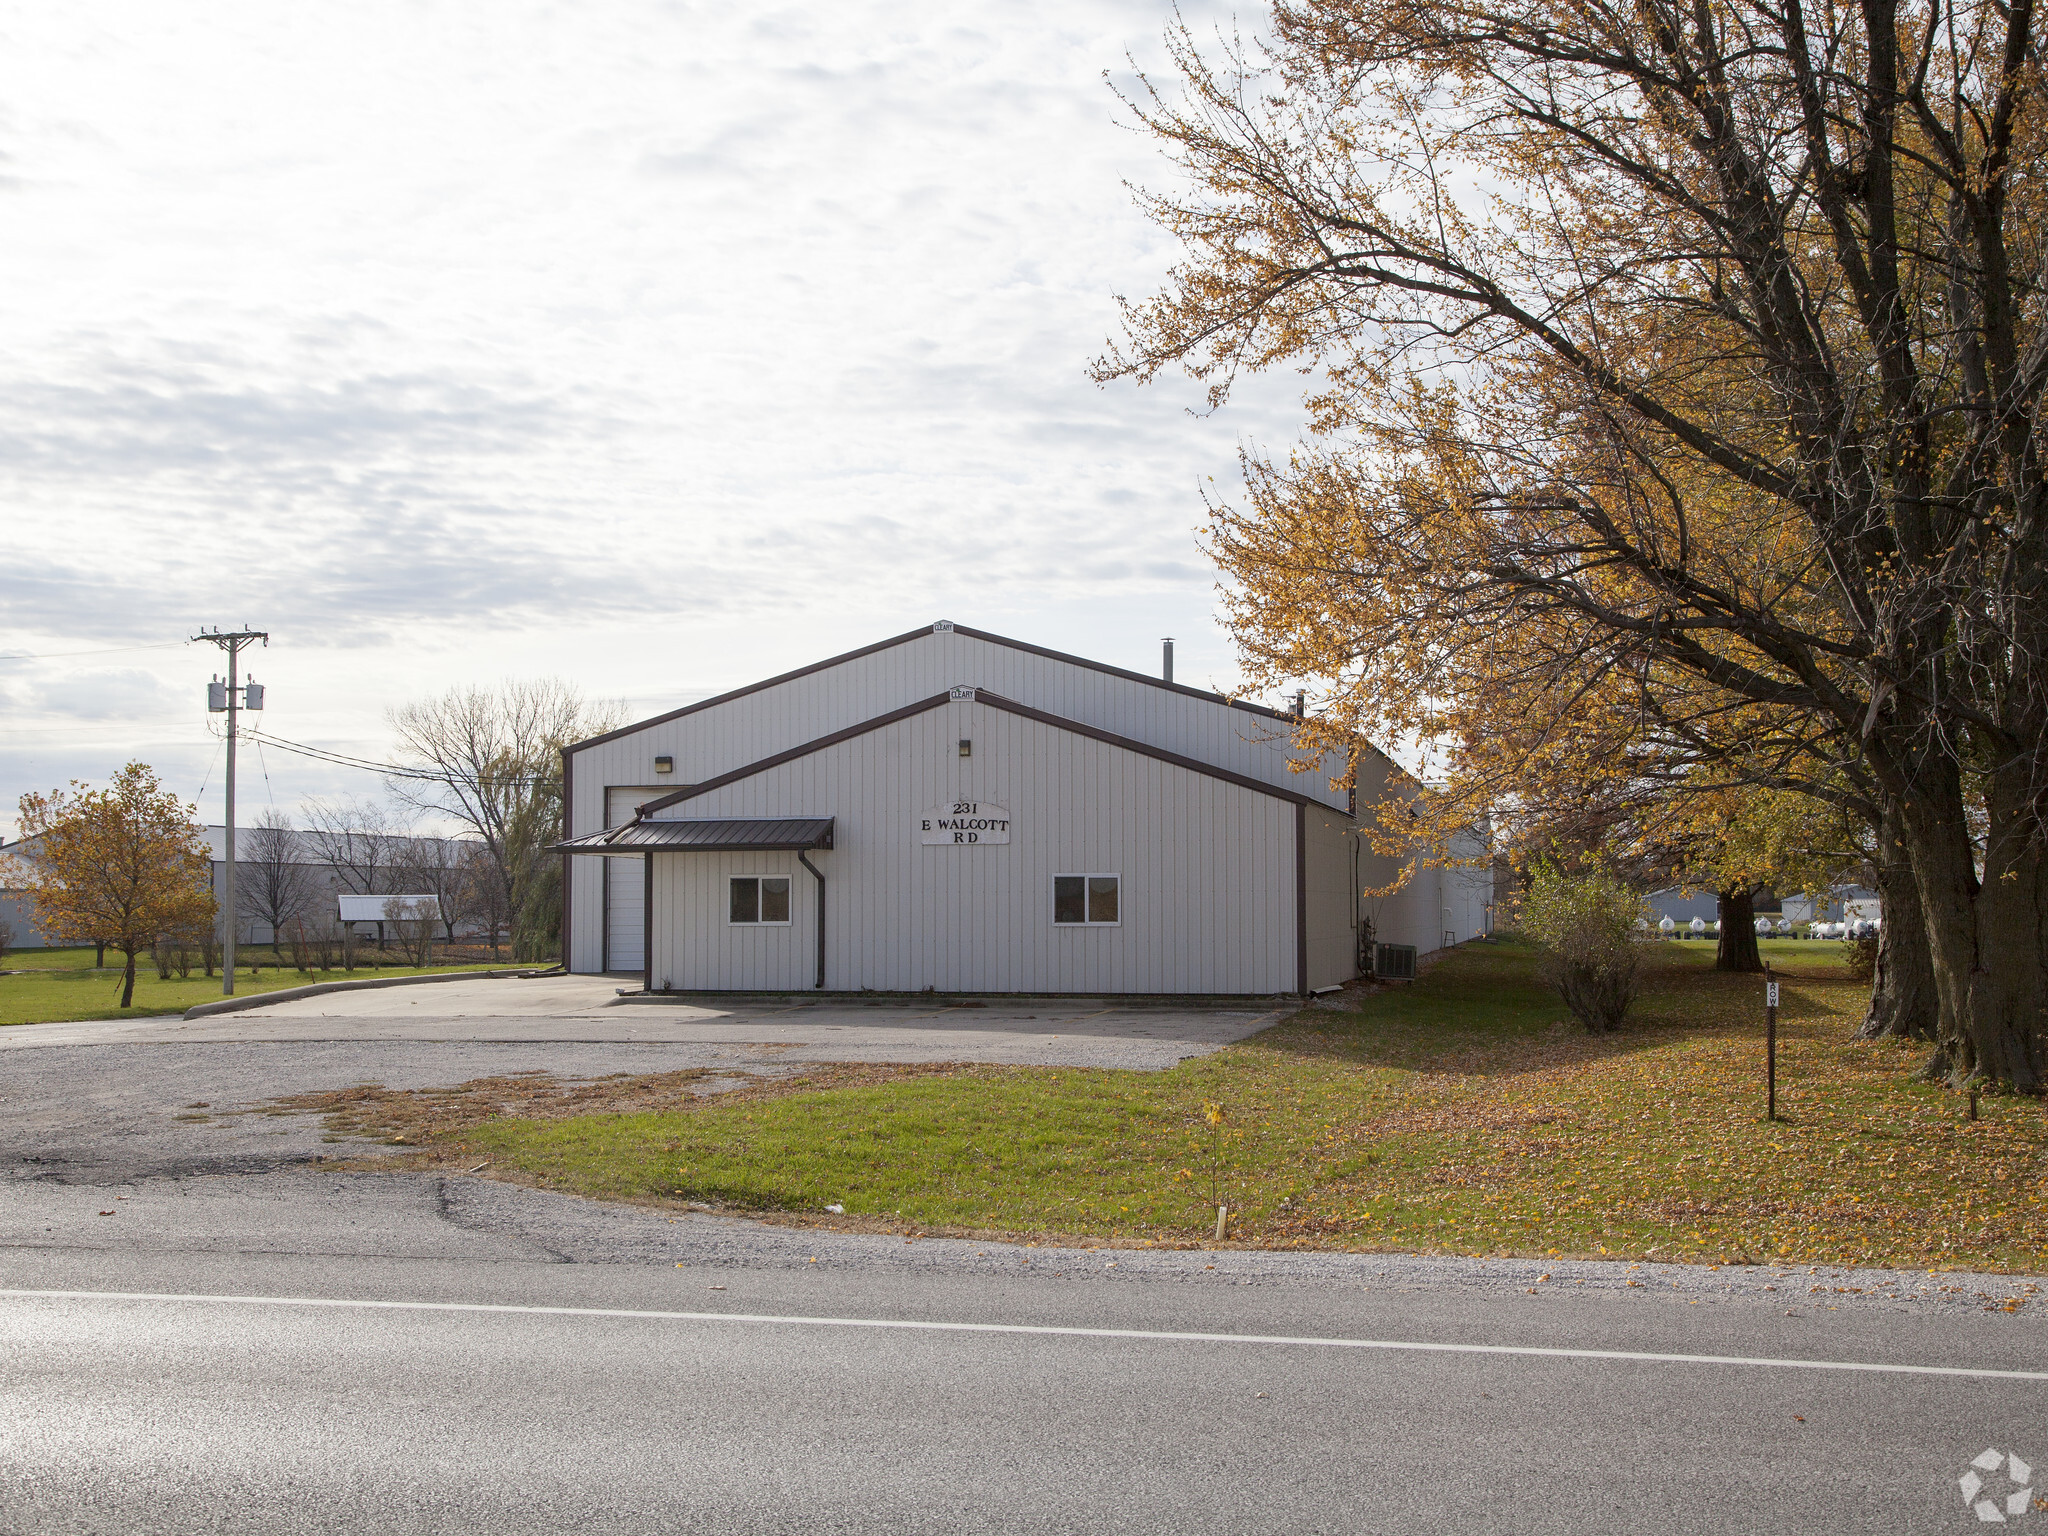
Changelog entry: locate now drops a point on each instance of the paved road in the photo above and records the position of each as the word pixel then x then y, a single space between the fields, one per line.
pixel 580 1382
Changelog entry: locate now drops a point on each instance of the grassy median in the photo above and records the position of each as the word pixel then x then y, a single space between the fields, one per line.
pixel 44 986
pixel 1462 1114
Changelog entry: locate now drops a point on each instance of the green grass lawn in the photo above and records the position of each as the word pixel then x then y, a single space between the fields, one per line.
pixel 49 985
pixel 1465 1113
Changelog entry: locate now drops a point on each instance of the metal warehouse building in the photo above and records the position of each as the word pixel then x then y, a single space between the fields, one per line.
pixel 949 809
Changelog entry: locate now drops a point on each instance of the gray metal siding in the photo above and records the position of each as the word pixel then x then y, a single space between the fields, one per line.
pixel 744 730
pixel 698 948
pixel 1207 869
pixel 1332 914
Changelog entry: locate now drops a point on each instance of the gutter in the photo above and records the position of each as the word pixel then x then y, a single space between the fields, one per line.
pixel 804 858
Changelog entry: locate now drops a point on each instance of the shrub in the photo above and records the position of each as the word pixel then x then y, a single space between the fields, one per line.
pixel 1586 923
pixel 1862 955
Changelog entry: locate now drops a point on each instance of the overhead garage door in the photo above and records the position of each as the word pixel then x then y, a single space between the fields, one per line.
pixel 625 923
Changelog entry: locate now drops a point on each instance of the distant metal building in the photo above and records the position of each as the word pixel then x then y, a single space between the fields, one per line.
pixel 952 810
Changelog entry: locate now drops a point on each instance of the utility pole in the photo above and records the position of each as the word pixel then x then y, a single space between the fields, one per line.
pixel 228 698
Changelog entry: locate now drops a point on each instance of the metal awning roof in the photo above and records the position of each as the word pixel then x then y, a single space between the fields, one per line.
pixel 351 908
pixel 723 834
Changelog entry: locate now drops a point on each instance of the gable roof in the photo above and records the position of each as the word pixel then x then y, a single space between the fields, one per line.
pixel 1208 696
pixel 994 701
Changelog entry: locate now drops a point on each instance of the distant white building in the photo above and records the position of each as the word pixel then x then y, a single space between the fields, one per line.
pixel 956 811
pixel 1844 903
pixel 323 869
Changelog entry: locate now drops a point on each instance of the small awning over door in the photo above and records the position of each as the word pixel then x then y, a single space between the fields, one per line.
pixel 723 834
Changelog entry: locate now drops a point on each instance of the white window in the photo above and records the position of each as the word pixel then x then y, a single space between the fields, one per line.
pixel 1087 901
pixel 760 899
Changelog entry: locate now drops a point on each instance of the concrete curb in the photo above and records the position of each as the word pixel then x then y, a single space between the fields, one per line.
pixel 968 1000
pixel 314 989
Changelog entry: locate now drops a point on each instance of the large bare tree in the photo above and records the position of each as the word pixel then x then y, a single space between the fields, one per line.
pixel 1707 337
pixel 491 760
pixel 363 840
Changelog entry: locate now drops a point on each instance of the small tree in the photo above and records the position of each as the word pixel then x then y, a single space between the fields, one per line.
pixel 1586 923
pixel 482 895
pixel 412 919
pixel 435 866
pixel 276 885
pixel 122 864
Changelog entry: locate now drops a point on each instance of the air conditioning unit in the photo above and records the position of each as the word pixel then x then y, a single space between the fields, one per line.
pixel 1393 962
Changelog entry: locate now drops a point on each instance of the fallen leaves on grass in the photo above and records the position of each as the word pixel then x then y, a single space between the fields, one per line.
pixel 1454 1116
pixel 440 1120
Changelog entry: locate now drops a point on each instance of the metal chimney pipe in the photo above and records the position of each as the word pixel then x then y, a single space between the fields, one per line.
pixel 1166 659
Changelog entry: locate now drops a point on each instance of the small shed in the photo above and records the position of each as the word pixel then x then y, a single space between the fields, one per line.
pixel 396 907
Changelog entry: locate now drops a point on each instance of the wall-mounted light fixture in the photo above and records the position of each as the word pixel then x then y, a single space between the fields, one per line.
pixel 966 747
pixel 664 765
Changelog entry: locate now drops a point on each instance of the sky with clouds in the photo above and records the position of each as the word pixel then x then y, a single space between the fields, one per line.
pixel 659 346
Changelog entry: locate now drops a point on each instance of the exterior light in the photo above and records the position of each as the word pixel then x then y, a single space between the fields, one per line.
pixel 966 747
pixel 664 765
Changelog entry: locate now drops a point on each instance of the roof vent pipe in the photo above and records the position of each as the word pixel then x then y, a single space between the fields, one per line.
pixel 1166 659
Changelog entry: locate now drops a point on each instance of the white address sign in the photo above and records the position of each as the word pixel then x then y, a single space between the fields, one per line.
pixel 964 823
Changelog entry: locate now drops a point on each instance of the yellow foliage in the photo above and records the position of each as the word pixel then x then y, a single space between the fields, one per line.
pixel 117 866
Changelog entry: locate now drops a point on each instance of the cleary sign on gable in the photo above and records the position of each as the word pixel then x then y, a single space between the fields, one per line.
pixel 964 823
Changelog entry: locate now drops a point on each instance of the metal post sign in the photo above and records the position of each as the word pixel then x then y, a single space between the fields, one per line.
pixel 964 824
pixel 1770 994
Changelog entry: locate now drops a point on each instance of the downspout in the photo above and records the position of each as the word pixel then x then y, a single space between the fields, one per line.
pixel 819 875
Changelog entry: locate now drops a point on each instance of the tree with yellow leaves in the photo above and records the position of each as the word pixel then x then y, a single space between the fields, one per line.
pixel 1677 372
pixel 121 865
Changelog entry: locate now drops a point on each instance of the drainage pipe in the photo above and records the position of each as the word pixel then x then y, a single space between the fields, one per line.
pixel 819 875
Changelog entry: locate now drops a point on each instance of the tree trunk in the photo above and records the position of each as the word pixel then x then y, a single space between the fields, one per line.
pixel 1985 939
pixel 1737 949
pixel 1903 1000
pixel 128 981
pixel 99 955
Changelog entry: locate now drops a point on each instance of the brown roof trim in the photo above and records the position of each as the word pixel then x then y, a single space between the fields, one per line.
pixel 994 701
pixel 1206 695
pixel 1145 749
pixel 741 693
pixel 691 791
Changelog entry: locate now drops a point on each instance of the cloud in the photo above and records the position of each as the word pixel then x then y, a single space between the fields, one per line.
pixel 665 346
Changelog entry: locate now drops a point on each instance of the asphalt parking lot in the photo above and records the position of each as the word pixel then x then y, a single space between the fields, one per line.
pixel 589 1010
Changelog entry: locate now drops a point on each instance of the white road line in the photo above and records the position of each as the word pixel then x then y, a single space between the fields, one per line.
pixel 1418 1346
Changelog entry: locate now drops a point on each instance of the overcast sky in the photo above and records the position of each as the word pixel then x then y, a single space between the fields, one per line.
pixel 662 347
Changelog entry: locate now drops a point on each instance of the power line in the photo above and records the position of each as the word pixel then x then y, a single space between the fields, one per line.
pixel 220 743
pixel 269 794
pixel 112 650
pixel 395 770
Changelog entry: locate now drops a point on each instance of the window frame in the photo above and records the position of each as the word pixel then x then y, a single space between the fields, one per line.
pixel 759 922
pixel 1084 878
